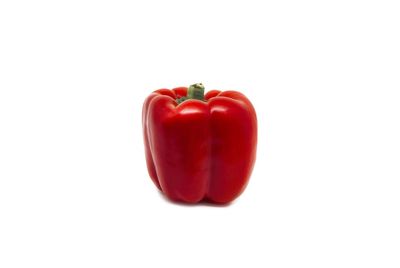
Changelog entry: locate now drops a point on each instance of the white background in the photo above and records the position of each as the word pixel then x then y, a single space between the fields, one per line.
pixel 322 75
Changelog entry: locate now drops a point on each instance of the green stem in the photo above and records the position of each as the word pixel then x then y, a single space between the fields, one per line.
pixel 195 92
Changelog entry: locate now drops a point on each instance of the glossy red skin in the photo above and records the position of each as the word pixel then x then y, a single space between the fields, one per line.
pixel 200 151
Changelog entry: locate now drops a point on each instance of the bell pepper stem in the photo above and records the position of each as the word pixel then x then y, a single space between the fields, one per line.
pixel 196 91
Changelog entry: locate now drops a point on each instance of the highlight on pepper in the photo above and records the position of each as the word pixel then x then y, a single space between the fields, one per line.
pixel 200 147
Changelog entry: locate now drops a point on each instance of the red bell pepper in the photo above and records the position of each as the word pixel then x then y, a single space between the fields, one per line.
pixel 199 148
